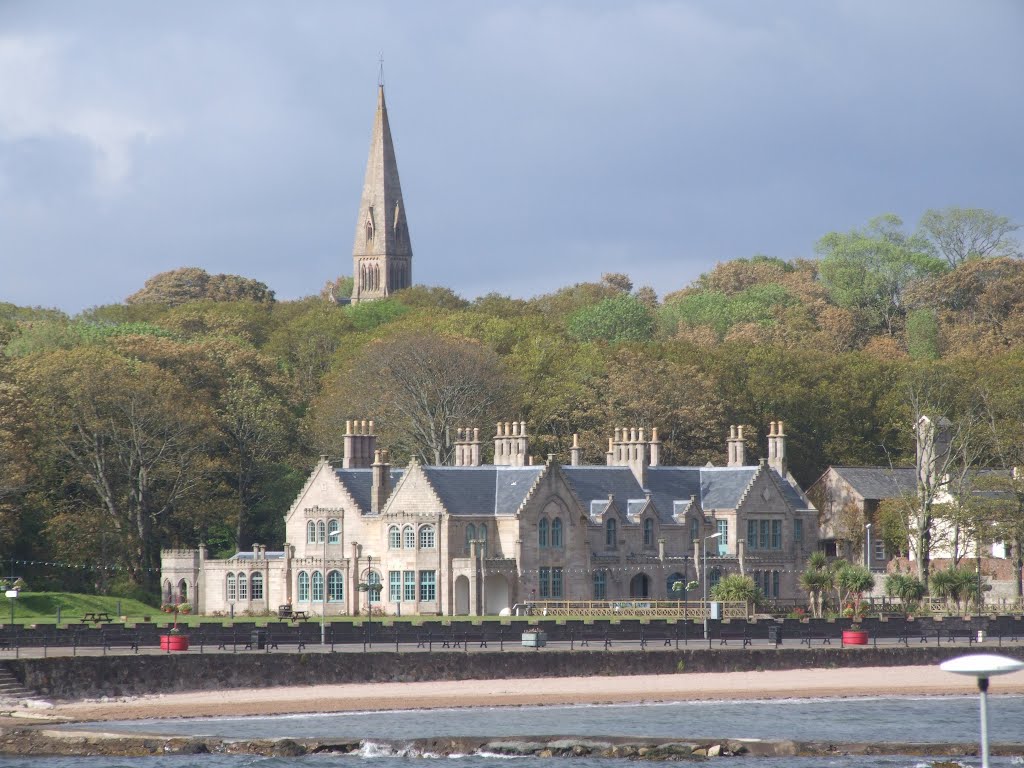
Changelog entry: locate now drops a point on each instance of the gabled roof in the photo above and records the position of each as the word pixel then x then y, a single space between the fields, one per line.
pixel 597 483
pixel 359 484
pixel 485 490
pixel 879 482
pixel 723 487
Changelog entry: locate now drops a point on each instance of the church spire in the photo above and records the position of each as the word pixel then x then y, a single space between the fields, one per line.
pixel 382 253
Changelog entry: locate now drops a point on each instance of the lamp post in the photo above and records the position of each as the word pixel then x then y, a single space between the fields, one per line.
pixel 372 590
pixel 704 576
pixel 982 666
pixel 12 595
pixel 323 611
pixel 867 547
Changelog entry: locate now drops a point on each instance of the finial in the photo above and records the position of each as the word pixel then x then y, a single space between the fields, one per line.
pixel 380 70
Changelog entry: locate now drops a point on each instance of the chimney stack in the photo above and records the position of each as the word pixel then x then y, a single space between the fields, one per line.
pixel 360 444
pixel 777 448
pixel 511 444
pixel 737 448
pixel 467 448
pixel 630 448
pixel 575 453
pixel 381 484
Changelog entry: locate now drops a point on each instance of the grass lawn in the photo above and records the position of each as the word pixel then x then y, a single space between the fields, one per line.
pixel 41 607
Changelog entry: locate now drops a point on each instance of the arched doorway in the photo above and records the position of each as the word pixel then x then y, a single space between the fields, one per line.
pixel 670 587
pixel 640 585
pixel 183 591
pixel 461 596
pixel 496 592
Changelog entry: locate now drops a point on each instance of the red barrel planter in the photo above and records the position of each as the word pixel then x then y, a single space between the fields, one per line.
pixel 855 637
pixel 173 643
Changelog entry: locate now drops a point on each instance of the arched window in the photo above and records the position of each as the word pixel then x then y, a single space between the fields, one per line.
pixel 556 532
pixel 394 537
pixel 610 534
pixel 257 586
pixel 303 590
pixel 335 587
pixel 714 577
pixel 670 586
pixel 426 537
pixel 694 529
pixel 231 587
pixel 470 536
pixel 409 537
pixel 600 585
pixel 374 578
pixel 481 534
pixel 542 533
pixel 311 532
pixel 318 587
pixel 321 531
pixel 332 532
pixel 243 586
pixel 649 532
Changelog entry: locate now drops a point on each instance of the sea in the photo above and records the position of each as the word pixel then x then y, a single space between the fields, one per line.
pixel 864 719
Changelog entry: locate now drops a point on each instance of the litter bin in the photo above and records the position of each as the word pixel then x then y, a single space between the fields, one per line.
pixel 258 639
pixel 775 634
pixel 535 639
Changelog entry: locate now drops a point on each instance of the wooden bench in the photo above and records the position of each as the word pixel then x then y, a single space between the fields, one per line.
pixel 965 633
pixel 810 635
pixel 98 617
pixel 725 634
pixel 300 616
pixel 909 632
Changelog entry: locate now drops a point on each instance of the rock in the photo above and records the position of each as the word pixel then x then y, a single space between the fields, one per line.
pixel 287 748
pixel 715 750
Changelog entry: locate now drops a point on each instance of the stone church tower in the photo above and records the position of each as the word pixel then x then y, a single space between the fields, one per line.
pixel 382 253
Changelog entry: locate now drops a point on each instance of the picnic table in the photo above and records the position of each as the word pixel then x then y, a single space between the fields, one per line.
pixel 299 615
pixel 98 617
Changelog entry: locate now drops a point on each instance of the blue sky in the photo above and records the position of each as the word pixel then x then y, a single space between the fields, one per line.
pixel 540 143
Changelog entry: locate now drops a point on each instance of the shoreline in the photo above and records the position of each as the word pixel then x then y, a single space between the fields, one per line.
pixel 355 697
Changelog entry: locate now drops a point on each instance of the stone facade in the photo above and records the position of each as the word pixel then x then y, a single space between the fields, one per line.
pixel 477 539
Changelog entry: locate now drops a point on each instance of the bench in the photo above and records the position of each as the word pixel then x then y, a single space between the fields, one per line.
pixel 300 616
pixel 909 632
pixel 964 633
pixel 725 634
pixel 96 618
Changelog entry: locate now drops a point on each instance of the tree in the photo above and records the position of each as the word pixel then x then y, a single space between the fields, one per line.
pixel 869 270
pixel 131 440
pixel 956 585
pixel 421 388
pixel 337 289
pixel 619 318
pixel 959 234
pixel 737 588
pixel 817 580
pixel 193 284
pixel 852 581
pixel 908 588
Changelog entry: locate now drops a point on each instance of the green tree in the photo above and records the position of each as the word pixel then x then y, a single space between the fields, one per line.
pixel 193 284
pixel 619 318
pixel 960 234
pixel 734 587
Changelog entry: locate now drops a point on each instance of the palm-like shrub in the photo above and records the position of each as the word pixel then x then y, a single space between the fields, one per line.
pixel 737 588
pixel 956 585
pixel 817 581
pixel 908 588
pixel 853 581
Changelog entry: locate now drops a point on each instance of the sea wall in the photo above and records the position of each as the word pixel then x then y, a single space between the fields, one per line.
pixel 65 677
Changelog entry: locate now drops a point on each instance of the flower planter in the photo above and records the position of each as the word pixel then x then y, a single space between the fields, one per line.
pixel 173 643
pixel 855 637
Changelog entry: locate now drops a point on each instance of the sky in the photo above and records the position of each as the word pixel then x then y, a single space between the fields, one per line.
pixel 540 144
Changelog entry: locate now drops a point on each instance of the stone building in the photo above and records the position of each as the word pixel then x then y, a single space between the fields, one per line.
pixel 382 252
pixel 475 538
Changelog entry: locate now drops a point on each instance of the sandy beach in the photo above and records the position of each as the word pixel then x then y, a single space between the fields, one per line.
pixel 810 683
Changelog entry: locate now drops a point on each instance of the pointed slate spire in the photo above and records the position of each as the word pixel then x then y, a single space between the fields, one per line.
pixel 382 253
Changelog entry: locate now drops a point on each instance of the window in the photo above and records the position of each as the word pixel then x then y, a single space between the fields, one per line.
pixel 751 534
pixel 303 590
pixel 764 534
pixel 600 585
pixel 670 584
pixel 714 577
pixel 556 582
pixel 321 531
pixel 394 538
pixel 374 578
pixel 333 529
pixel 470 536
pixel 243 586
pixel 545 582
pixel 775 583
pixel 765 540
pixel 257 586
pixel 798 530
pixel 776 534
pixel 723 537
pixel 556 532
pixel 481 533
pixel 318 587
pixel 694 529
pixel 409 591
pixel 879 545
pixel 409 537
pixel 648 533
pixel 231 586
pixel 426 537
pixel 395 586
pixel 542 533
pixel 311 532
pixel 428 586
pixel 610 535
pixel 335 587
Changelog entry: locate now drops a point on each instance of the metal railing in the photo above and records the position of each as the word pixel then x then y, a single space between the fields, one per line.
pixel 670 609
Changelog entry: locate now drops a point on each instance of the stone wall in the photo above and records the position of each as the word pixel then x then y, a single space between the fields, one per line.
pixel 84 676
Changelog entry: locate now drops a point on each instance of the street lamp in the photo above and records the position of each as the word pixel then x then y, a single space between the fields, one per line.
pixel 982 666
pixel 867 547
pixel 12 595
pixel 704 576
pixel 323 611
pixel 373 590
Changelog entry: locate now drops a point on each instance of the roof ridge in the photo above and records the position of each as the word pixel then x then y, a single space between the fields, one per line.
pixel 529 493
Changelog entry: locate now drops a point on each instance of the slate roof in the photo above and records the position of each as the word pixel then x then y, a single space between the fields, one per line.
pixel 879 482
pixel 359 483
pixel 251 556
pixel 723 487
pixel 483 490
pixel 597 483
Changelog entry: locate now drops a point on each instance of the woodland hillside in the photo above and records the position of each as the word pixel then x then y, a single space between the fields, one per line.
pixel 192 411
